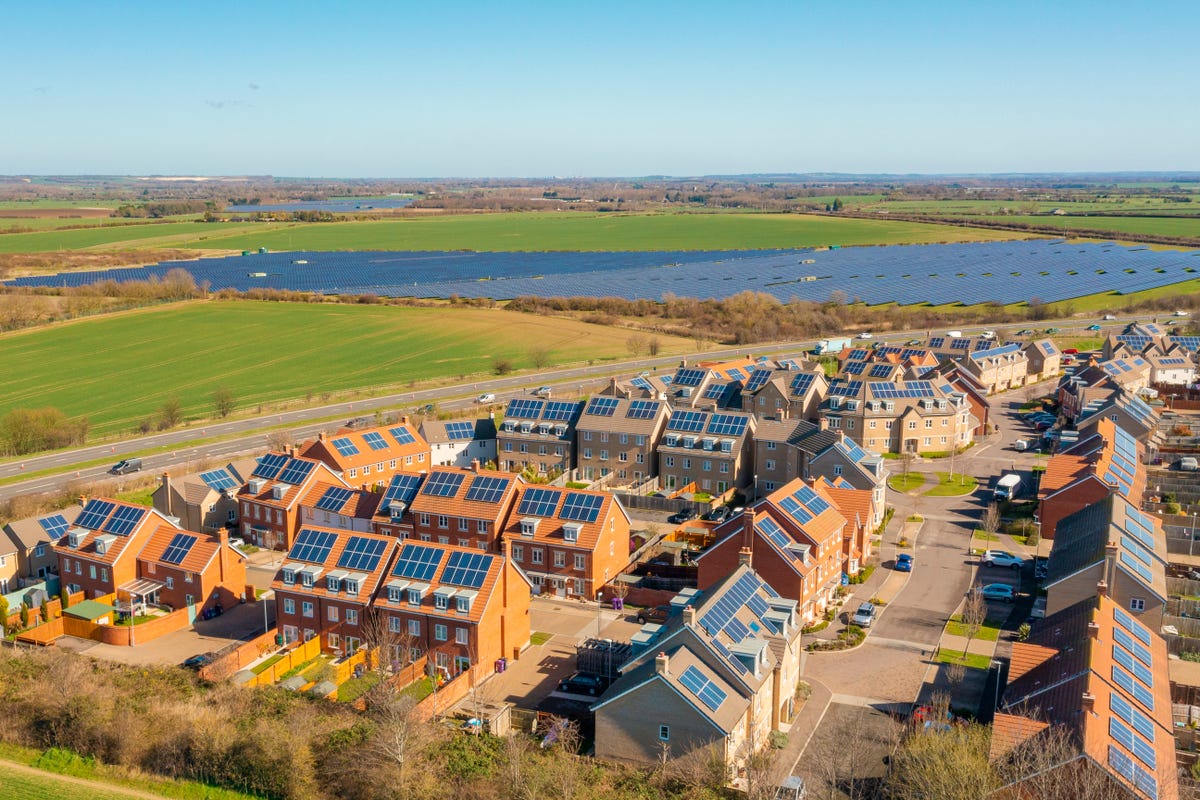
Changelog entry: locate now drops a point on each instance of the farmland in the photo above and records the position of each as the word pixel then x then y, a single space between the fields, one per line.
pixel 119 369
pixel 45 786
pixel 510 232
pixel 1157 226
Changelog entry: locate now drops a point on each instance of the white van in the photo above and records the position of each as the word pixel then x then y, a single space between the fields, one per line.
pixel 487 397
pixel 988 335
pixel 954 334
pixel 1021 445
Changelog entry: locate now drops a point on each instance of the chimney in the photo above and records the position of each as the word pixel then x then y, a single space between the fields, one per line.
pixel 662 664
pixel 1110 563
pixel 748 528
pixel 222 553
pixel 293 451
pixel 1088 702
pixel 166 485
pixel 1102 588
pixel 83 499
pixel 404 419
pixel 474 465
pixel 689 616
pixel 321 436
pixel 1093 630
pixel 744 556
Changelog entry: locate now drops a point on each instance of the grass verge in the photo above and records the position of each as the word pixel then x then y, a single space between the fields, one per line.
pixel 968 660
pixel 906 483
pixel 952 485
pixel 540 637
pixel 988 632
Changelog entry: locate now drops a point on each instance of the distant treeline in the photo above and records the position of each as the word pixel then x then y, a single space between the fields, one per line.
pixel 166 208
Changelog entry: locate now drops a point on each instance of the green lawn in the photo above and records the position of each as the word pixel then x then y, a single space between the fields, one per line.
pixel 355 688
pixel 540 637
pixel 970 661
pixel 264 665
pixel 51 787
pixel 119 369
pixel 948 486
pixel 142 497
pixel 906 483
pixel 419 689
pixel 512 231
pixel 1158 226
pixel 989 632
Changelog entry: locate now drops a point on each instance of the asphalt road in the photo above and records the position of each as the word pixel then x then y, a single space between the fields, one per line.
pixel 171 449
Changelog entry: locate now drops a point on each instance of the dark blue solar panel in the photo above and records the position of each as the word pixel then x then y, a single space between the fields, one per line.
pixel 580 507
pixel 442 484
pixel 727 425
pixel 704 689
pixel 802 383
pixel 269 466
pixel 457 431
pixel 714 391
pixel 524 409
pixel 538 502
pixel 345 446
pixel 54 526
pixel 758 378
pixel 375 440
pixel 312 546
pixel 560 411
pixel 218 479
pixel 402 435
pixel 689 377
pixel 181 544
pixel 487 489
pixel 688 421
pixel 466 569
pixel 124 520
pixel 601 406
pixel 402 488
pixel 362 554
pixel 854 367
pixel 94 514
pixel 418 562
pixel 296 472
pixel 840 388
pixel 643 409
pixel 882 371
pixel 334 498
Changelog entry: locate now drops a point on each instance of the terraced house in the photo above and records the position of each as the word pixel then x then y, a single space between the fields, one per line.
pixel 616 436
pixel 364 458
pixel 720 677
pixel 795 539
pixel 456 443
pixel 538 434
pixel 464 507
pixel 912 416
pixel 393 515
pixel 711 450
pixel 570 542
pixel 793 390
pixel 462 608
pixel 1107 460
pixel 270 499
pixel 32 546
pixel 326 584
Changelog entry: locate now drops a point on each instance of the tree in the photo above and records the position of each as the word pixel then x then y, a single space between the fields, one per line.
pixel 65 597
pixel 45 610
pixel 946 763
pixel 636 344
pixel 991 518
pixel 654 346
pixel 3 616
pixel 502 366
pixel 224 401
pixel 974 613
pixel 279 440
pixel 539 356
pixel 24 615
pixel 170 414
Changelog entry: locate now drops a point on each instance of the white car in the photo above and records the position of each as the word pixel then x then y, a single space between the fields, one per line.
pixel 866 335
pixel 1110 316
pixel 1182 314
pixel 542 391
pixel 1002 558
pixel 486 397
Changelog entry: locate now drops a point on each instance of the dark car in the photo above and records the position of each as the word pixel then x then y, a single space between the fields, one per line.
pixel 683 515
pixel 197 662
pixel 357 422
pixel 581 683
pixel 718 514
pixel 656 614
pixel 126 466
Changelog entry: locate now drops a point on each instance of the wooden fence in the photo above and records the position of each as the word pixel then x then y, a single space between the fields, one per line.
pixel 230 661
pixel 296 654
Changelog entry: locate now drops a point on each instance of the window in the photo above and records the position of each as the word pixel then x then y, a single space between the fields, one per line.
pixel 92 571
pixel 770 463
pixel 706 466
pixel 580 561
pixel 354 473
pixel 871 424
pixel 170 582
pixel 508 447
pixel 669 461
pixel 640 441
pixel 604 455
pixel 443 521
pixel 624 438
pixel 725 467
pixel 587 452
pixel 579 586
pixel 351 616
pixel 414 597
pixel 439 632
pixel 414 627
pixel 928 423
pixel 482 526
pixel 423 519
pixel 835 422
pixel 560 558
pixel 40 550
pixel 912 424
pixel 518 552
pixel 351 587
pixel 770 445
pixel 462 603
pixel 332 613
pixel 289 605
pixel 640 458
pixel 837 469
pixel 391 464
pixel 1137 604
pixel 306 608
pixel 366 470
pixel 536 555
pixel 394 624
pixel 334 641
pixel 850 424
pixel 440 602
pixel 188 577
pixel 687 463
pixel 460 636
pixel 664 733
pixel 104 573
pixel 587 436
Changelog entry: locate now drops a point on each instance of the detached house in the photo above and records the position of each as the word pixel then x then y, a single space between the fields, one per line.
pixel 713 451
pixel 463 507
pixel 462 608
pixel 1044 360
pixel 458 442
pixel 98 553
pixel 32 546
pixel 205 501
pixel 326 585
pixel 270 499
pixel 569 542
pixel 364 458
pixel 538 434
pixel 617 436
pixel 721 677
pixel 795 538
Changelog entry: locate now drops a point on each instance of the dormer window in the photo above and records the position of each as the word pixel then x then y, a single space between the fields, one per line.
pixel 671 440
pixel 529 526
pixel 571 531
pixel 414 597
pixel 689 441
pixel 891 406
pixel 544 429
pixel 306 579
pixel 332 584
pixel 289 577
pixel 709 443
pixel 510 426
pixel 526 427
pixel 835 402
pixel 351 586
pixel 395 595
pixel 726 445
pixel 560 430
pixel 462 604
pixel 440 602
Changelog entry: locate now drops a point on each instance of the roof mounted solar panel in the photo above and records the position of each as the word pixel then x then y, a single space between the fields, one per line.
pixel 312 546
pixel 296 472
pixel 758 378
pixel 467 569
pixel 538 502
pixel 418 562
pixel 457 431
pixel 124 520
pixel 403 435
pixel 334 498
pixel 580 507
pixel 488 489
pixel 345 446
pixel 362 554
pixel 601 406
pixel 689 377
pixel 560 411
pixel 687 421
pixel 802 383
pixel 269 466
pixel 218 479
pixel 94 514
pixel 643 409
pixel 442 484
pixel 181 544
pixel 402 488
pixel 55 526
pixel 521 408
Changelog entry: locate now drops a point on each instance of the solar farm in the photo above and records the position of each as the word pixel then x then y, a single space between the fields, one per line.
pixel 334 205
pixel 1005 272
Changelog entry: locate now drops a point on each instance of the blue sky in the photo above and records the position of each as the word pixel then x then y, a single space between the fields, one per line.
pixel 600 89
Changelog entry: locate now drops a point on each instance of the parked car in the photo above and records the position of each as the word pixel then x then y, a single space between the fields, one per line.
pixel 866 335
pixel 1001 558
pixel 1021 445
pixel 864 616
pixel 126 466
pixel 997 591
pixel 357 422
pixel 1053 330
pixel 1025 332
pixel 657 614
pixel 486 397
pixel 1188 464
pixel 904 563
pixel 914 342
pixel 582 683
pixel 1071 351
pixel 197 662
pixel 718 514
pixel 682 515
pixel 1182 314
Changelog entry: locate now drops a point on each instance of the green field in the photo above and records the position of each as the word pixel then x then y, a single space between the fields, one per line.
pixel 54 223
pixel 996 207
pixel 14 784
pixel 118 369
pixel 1157 226
pixel 506 232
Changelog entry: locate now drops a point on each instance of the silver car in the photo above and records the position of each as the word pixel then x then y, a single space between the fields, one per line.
pixel 864 616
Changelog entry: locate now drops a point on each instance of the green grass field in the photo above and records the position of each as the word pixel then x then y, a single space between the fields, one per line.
pixel 118 369
pixel 507 232
pixel 14 784
pixel 1157 226
pixel 40 224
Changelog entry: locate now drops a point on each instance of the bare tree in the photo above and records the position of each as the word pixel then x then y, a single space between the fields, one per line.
pixel 1050 765
pixel 942 762
pixel 636 344
pixel 224 401
pixel 974 613
pixel 654 346
pixel 279 440
pixel 991 519
pixel 700 769
pixel 539 356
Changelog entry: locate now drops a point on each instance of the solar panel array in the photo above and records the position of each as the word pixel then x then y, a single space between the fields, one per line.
pixel 94 513
pixel 181 544
pixel 643 409
pixel 641 383
pixel 457 431
pixel 269 466
pixel 841 388
pixel 521 408
pixel 402 435
pixel 852 450
pixel 727 425
pixel 418 562
pixel 804 505
pixel 855 367
pixel 704 689
pixel 468 570
pixel 775 535
pixel 218 479
pixel 560 411
pixel 538 503
pixel 402 488
pixel 758 378
pixel 296 472
pixel 124 520
pixel 981 354
pixel 375 440
pixel 687 421
pixel 487 489
pixel 802 383
pixel 896 391
pixel 345 446
pixel 1191 343
pixel 689 377
pixel 362 554
pixel 601 406
pixel 580 507
pixel 55 526
pixel 967 273
pixel 334 498
pixel 442 484
pixel 714 391
pixel 312 546
pixel 882 371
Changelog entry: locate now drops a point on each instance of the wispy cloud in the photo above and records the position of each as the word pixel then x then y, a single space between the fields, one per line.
pixel 254 86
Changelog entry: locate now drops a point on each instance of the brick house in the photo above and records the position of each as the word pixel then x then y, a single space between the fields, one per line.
pixel 393 515
pixel 370 456
pixel 713 450
pixel 270 499
pixel 326 584
pixel 1130 413
pixel 795 536
pixel 538 434
pixel 462 608
pixel 1105 460
pixel 913 416
pixel 793 391
pixel 192 569
pixel 32 541
pixel 464 507
pixel 570 542
pixel 617 436
pixel 330 505
pixel 720 677
pixel 458 442
pixel 204 501
pixel 1044 360
pixel 98 553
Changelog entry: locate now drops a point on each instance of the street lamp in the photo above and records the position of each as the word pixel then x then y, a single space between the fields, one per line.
pixel 599 608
